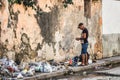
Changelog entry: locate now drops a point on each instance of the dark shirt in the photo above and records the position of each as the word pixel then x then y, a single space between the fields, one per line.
pixel 85 31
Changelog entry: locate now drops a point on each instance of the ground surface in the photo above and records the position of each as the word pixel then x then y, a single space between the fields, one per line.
pixel 93 76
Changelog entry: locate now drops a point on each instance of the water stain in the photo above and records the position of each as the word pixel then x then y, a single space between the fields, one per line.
pixel 48 23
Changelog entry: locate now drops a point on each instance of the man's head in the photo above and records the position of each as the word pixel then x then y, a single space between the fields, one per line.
pixel 81 26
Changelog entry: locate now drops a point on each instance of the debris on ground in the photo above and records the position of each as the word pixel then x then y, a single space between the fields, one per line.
pixel 9 69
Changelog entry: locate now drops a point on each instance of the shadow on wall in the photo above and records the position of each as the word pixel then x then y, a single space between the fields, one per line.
pixel 48 23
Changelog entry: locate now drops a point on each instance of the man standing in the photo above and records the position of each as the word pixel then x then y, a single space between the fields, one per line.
pixel 84 43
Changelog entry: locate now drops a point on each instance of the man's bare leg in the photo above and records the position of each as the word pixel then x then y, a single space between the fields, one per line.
pixel 86 59
pixel 83 59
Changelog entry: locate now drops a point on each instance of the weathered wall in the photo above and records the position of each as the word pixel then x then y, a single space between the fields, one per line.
pixel 111 45
pixel 111 27
pixel 49 33
pixel 95 29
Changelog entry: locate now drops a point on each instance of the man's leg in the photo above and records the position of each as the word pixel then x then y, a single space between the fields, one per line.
pixel 83 59
pixel 86 59
pixel 85 46
pixel 83 55
pixel 86 55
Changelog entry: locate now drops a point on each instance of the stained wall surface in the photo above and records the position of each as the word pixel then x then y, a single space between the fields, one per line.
pixel 111 27
pixel 49 32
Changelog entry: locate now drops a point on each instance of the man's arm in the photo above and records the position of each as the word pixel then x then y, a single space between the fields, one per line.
pixel 82 37
pixel 77 39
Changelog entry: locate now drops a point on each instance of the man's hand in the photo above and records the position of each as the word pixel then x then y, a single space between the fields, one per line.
pixel 77 39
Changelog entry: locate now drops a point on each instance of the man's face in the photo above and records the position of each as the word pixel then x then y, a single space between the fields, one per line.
pixel 81 27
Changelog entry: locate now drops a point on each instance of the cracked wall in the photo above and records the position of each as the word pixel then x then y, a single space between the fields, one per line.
pixel 48 32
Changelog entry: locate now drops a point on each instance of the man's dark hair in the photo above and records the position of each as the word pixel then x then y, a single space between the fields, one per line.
pixel 80 24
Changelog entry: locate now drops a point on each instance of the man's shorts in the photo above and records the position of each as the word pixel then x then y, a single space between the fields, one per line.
pixel 84 48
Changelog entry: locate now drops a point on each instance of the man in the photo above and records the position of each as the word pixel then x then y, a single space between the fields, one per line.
pixel 84 43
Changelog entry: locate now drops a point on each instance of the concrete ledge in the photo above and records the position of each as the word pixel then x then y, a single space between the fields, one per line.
pixel 102 62
pixel 46 75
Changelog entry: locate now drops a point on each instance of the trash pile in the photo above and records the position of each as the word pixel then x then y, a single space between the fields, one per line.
pixel 9 69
